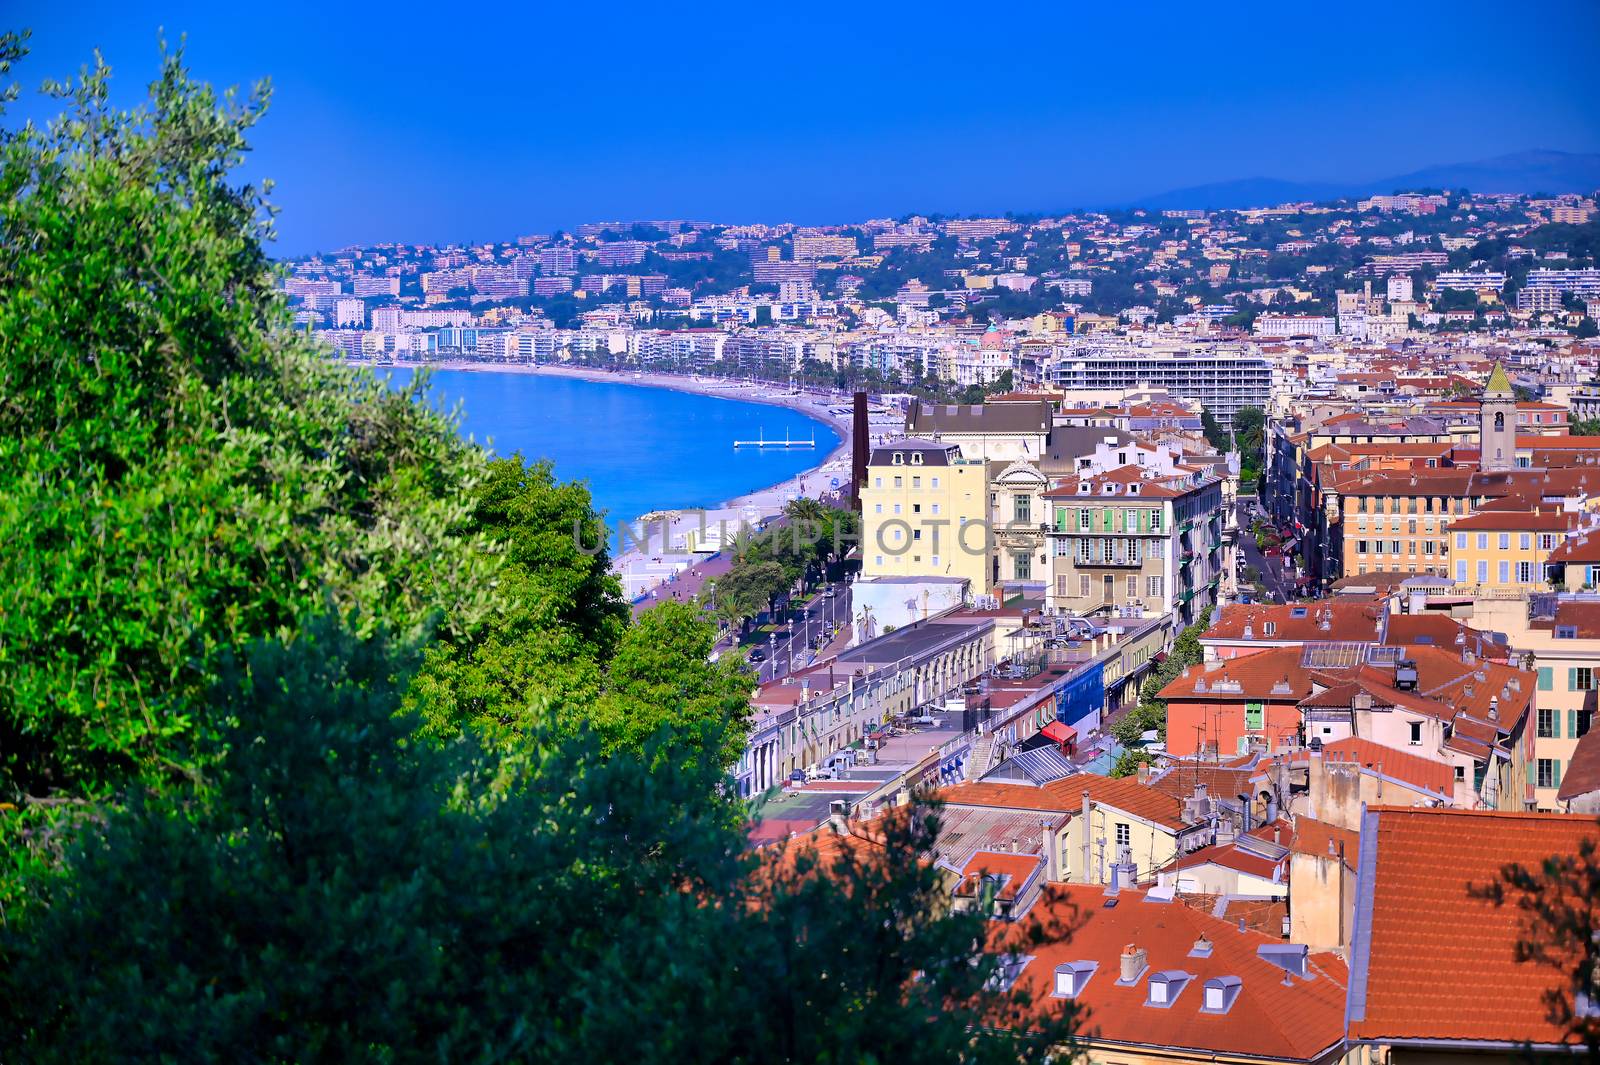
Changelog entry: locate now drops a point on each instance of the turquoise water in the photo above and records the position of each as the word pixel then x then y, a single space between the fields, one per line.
pixel 640 449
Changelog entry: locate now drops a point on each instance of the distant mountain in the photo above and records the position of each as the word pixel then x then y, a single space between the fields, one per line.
pixel 1531 171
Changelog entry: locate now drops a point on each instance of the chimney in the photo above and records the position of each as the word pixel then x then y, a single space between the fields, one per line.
pixel 1085 874
pixel 1134 962
pixel 839 816
pixel 860 448
pixel 1144 772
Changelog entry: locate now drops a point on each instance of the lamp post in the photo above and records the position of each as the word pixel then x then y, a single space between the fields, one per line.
pixel 772 652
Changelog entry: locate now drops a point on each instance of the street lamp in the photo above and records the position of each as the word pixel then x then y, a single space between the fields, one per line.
pixel 772 652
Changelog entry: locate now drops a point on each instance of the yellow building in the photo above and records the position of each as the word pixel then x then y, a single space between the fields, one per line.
pixel 1563 640
pixel 1505 550
pixel 923 514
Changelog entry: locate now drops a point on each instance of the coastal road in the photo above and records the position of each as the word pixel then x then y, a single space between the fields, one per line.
pixel 796 650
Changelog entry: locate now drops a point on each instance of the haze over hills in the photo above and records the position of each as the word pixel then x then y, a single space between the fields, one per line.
pixel 1527 172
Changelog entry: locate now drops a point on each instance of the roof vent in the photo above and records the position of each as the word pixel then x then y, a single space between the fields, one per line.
pixel 1202 947
pixel 1290 957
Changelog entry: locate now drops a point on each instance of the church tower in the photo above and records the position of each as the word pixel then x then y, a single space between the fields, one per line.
pixel 1497 423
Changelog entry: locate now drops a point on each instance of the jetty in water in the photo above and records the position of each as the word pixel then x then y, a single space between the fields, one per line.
pixel 786 443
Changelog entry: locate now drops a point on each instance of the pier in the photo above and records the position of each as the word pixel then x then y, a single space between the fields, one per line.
pixel 786 442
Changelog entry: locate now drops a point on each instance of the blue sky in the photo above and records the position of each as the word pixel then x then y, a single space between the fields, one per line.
pixel 402 121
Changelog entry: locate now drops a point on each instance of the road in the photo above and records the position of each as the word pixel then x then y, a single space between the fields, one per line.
pixel 1272 569
pixel 793 648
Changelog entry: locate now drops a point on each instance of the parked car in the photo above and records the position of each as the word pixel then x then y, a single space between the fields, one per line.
pixel 758 655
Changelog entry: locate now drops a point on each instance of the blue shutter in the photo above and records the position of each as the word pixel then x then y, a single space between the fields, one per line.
pixel 1572 724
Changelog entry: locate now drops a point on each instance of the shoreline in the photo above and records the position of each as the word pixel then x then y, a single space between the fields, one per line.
pixel 765 502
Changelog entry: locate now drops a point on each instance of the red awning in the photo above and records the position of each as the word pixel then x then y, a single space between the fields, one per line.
pixel 1059 733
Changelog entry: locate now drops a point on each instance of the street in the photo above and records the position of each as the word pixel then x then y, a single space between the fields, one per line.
pixel 1272 569
pixel 793 648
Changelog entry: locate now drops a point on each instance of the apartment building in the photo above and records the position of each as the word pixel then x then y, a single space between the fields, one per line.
pixel 923 513
pixel 1133 541
pixel 1221 382
pixel 996 432
pixel 1505 546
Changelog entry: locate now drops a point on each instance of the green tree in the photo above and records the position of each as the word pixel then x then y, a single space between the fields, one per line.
pixel 1128 763
pixel 559 610
pixel 181 471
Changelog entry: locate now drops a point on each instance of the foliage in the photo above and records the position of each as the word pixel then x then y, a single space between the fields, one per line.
pixel 559 612
pixel 344 894
pixel 180 470
pixel 1561 931
pixel 1215 434
pixel 1584 426
pixel 1129 761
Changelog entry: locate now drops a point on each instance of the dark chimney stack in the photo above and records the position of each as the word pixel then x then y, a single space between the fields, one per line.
pixel 861 447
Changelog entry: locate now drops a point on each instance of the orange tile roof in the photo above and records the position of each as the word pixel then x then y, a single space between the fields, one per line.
pixel 1257 675
pixel 1415 770
pixel 1300 1020
pixel 1430 961
pixel 1066 796
pixel 1347 622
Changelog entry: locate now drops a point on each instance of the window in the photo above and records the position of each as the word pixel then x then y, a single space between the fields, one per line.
pixel 936 485
pixel 1269 628
pixel 1083 519
pixel 1524 572
pixel 1394 547
pixel 1483 571
pixel 1483 541
pixel 916 482
pixel 916 534
pixel 1155 521
pixel 877 482
pixel 1023 566
pixel 1524 541
pixel 880 560
pixel 1061 586
pixel 1361 547
pixel 1505 572
pixel 1546 681
pixel 935 560
pixel 877 508
pixel 1022 509
pixel 1505 541
pixel 936 506
pixel 1547 723
pixel 1547 541
pixel 1461 569
pixel 899 482
pixel 1133 587
pixel 1252 716
pixel 1153 587
pixel 1083 586
pixel 1580 679
pixel 897 508
pixel 1124 834
pixel 1461 541
pixel 1566 632
pixel 1548 773
pixel 1416 733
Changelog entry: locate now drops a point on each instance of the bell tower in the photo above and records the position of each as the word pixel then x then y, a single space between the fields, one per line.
pixel 1497 423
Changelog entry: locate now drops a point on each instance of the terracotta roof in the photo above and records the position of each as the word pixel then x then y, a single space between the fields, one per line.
pixel 1271 675
pixel 1428 774
pixel 1273 1016
pixel 1347 622
pixel 1583 772
pixel 1232 856
pixel 1322 840
pixel 1015 870
pixel 1584 617
pixel 1066 796
pixel 1430 961
pixel 1550 519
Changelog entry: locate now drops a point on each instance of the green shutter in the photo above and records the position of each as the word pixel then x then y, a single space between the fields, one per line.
pixel 1546 680
pixel 1572 724
pixel 1572 678
pixel 1557 763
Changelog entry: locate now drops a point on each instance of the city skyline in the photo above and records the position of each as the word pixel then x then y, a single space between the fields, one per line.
pixel 380 131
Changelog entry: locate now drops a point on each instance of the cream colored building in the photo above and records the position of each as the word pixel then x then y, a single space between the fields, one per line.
pixel 924 511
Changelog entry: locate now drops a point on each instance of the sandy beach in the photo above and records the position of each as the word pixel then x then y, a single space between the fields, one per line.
pixel 662 538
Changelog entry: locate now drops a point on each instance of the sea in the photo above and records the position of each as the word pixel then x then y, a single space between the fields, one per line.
pixel 638 448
